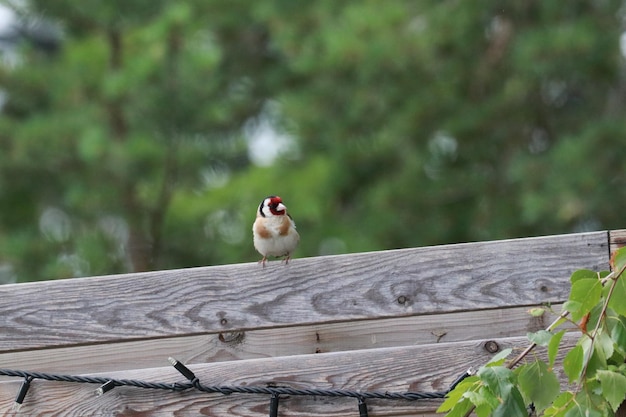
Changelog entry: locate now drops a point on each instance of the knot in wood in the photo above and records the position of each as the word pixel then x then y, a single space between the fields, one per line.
pixel 232 338
pixel 491 346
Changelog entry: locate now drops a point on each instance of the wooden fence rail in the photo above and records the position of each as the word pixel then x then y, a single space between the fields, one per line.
pixel 410 319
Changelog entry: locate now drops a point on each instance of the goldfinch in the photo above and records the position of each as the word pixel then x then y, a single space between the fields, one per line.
pixel 274 231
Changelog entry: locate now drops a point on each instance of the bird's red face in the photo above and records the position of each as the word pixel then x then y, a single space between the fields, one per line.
pixel 276 206
pixel 272 206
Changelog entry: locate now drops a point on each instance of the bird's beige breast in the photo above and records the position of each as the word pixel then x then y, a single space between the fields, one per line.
pixel 267 228
pixel 275 236
pixel 261 229
pixel 285 225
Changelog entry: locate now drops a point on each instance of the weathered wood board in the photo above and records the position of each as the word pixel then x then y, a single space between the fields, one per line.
pixel 217 299
pixel 617 239
pixel 410 319
pixel 283 341
pixel 415 368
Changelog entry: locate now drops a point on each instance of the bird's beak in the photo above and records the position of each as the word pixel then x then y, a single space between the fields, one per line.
pixel 281 207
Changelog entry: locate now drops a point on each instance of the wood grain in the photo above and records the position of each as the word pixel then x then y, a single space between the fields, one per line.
pixel 617 239
pixel 415 368
pixel 276 342
pixel 310 291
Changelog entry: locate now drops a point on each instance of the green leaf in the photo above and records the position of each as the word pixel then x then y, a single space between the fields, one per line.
pixel 583 274
pixel 540 338
pixel 512 406
pixel 580 410
pixel 560 405
pixel 594 315
pixel 484 400
pixel 571 305
pixel 604 344
pixel 573 363
pixel 584 406
pixel 619 292
pixel 538 384
pixel 560 321
pixel 584 295
pixel 613 387
pixel 460 409
pixel 454 397
pixel 537 311
pixel 597 360
pixel 498 379
pixel 553 347
pixel 619 295
pixel 616 325
pixel 483 410
pixel 499 358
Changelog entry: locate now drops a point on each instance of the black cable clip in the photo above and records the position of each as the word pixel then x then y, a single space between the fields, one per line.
pixel 21 394
pixel 274 405
pixel 362 407
pixel 469 372
pixel 186 372
pixel 106 387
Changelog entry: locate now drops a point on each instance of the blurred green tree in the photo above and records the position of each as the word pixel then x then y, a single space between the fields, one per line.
pixel 457 121
pixel 135 145
pixel 141 99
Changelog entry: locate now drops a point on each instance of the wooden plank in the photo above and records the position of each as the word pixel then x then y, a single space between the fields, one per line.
pixel 274 342
pixel 617 239
pixel 415 368
pixel 317 290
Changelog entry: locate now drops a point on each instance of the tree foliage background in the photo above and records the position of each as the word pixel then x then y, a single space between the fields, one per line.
pixel 139 135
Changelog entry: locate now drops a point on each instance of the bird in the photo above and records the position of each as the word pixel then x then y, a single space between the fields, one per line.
pixel 274 231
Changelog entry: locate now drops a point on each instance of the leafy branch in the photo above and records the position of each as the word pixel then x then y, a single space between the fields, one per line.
pixel 595 366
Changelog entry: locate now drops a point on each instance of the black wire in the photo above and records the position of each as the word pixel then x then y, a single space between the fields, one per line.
pixel 229 389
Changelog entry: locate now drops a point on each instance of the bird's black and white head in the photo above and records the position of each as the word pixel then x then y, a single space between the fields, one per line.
pixel 272 206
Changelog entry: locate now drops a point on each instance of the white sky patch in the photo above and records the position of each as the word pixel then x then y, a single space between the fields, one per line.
pixel 7 17
pixel 622 44
pixel 215 176
pixel 55 224
pixel 7 274
pixel 7 49
pixel 265 143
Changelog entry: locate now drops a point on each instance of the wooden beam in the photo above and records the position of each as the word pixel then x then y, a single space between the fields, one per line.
pixel 196 301
pixel 414 368
pixel 283 341
pixel 617 239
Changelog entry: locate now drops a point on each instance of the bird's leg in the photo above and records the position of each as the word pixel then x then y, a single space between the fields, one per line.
pixel 262 261
pixel 286 259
